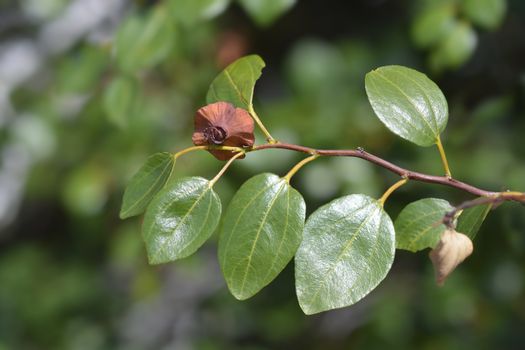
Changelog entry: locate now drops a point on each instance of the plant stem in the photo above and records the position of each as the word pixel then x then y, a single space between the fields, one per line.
pixel 392 188
pixel 443 157
pixel 361 153
pixel 224 168
pixel 411 175
pixel 494 200
pixel 298 166
pixel 188 150
pixel 266 133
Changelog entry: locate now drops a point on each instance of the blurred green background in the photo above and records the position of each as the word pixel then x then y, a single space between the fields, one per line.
pixel 90 88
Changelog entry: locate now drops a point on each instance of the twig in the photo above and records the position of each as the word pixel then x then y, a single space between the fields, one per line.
pixel 411 175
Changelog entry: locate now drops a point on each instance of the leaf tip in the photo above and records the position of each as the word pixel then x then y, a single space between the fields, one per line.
pixel 123 214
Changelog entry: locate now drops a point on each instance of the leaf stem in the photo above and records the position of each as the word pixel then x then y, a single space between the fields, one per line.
pixel 226 148
pixel 392 188
pixel 266 133
pixel 224 168
pixel 443 157
pixel 188 150
pixel 299 165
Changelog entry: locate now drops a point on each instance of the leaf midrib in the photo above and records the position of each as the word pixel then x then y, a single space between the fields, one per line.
pixel 237 223
pixel 250 255
pixel 343 252
pixel 150 189
pixel 204 224
pixel 285 231
pixel 435 133
pixel 237 90
pixel 417 237
pixel 174 230
pixel 374 251
pixel 425 96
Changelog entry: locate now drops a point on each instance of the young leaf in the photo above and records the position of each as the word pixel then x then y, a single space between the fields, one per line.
pixel 266 12
pixel 236 82
pixel 261 231
pixel 408 103
pixel 180 219
pixel 419 226
pixel 143 42
pixel 143 186
pixel 119 98
pixel 347 249
pixel 470 220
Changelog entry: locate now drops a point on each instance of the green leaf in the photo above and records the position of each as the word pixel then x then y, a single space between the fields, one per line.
pixel 485 13
pixel 456 48
pixel 260 234
pixel 191 12
pixel 236 82
pixel 419 226
pixel 150 178
pixel 470 220
pixel 433 24
pixel 119 99
pixel 180 219
pixel 408 103
pixel 266 12
pixel 347 249
pixel 144 41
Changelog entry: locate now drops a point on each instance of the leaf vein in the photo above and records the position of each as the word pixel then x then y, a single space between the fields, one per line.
pixel 410 101
pixel 149 190
pixel 263 221
pixel 343 252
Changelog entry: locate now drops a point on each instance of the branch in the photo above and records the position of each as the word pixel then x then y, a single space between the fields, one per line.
pixel 412 175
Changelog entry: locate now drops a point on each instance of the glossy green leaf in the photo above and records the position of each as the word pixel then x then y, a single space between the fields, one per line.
pixel 471 219
pixel 145 184
pixel 260 234
pixel 236 82
pixel 419 226
pixel 485 13
pixel 433 24
pixel 119 99
pixel 180 219
pixel 347 249
pixel 191 12
pixel 408 103
pixel 266 12
pixel 456 48
pixel 144 41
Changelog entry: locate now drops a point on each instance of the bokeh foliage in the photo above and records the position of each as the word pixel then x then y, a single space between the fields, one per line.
pixel 83 112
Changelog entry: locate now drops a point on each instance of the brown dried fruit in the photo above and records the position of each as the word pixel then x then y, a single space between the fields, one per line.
pixel 452 249
pixel 222 124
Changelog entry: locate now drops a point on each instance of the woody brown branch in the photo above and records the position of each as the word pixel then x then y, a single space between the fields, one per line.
pixel 412 175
